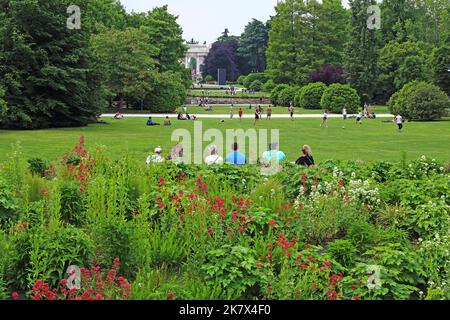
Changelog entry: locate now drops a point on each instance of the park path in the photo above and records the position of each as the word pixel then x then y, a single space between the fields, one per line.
pixel 247 116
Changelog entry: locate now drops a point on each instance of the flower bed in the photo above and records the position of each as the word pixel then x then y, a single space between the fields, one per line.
pixel 338 231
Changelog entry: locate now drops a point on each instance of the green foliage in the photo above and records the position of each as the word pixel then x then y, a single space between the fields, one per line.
pixel 73 204
pixel 46 255
pixel 209 78
pixel 269 85
pixel 252 77
pixel 298 46
pixel 274 95
pixel 232 268
pixel 401 63
pixel 344 252
pixel 252 47
pixel 47 70
pixel 8 204
pixel 241 80
pixel 287 96
pixel 256 86
pixel 420 101
pixel 38 166
pixel 337 97
pixel 310 96
pixel 440 62
pixel 401 271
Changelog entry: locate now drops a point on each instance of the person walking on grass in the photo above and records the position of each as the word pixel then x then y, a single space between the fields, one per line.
pixel 359 118
pixel 291 111
pixel 269 112
pixel 231 113
pixel 256 117
pixel 325 119
pixel 399 121
pixel 241 114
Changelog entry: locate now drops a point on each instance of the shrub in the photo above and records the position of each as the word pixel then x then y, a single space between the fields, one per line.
pixel 73 204
pixel 328 74
pixel 419 101
pixel 38 166
pixel 310 96
pixel 8 204
pixel 252 77
pixel 256 86
pixel 168 94
pixel 269 85
pixel 337 97
pixel 36 254
pixel 343 251
pixel 113 237
pixel 241 80
pixel 209 78
pixel 275 93
pixel 286 96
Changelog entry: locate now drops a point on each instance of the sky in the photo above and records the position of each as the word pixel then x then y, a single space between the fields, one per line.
pixel 205 20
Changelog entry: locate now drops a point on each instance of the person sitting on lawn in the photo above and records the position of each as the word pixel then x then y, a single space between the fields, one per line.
pixel 151 123
pixel 306 160
pixel 167 122
pixel 118 116
pixel 273 154
pixel 156 158
pixel 176 155
pixel 214 157
pixel 235 157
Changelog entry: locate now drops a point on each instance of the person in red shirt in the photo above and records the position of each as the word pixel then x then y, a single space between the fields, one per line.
pixel 269 113
pixel 241 113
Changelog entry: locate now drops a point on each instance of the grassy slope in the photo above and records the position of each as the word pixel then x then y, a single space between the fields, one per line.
pixel 373 140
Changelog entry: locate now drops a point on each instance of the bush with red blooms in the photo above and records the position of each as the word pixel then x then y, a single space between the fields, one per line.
pixel 80 164
pixel 95 285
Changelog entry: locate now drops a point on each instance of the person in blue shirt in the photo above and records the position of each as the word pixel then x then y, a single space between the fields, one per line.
pixel 274 153
pixel 151 123
pixel 236 157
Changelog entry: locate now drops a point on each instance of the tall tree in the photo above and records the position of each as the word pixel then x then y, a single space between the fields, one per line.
pixel 253 45
pixel 223 55
pixel 45 66
pixel 304 36
pixel 440 62
pixel 362 51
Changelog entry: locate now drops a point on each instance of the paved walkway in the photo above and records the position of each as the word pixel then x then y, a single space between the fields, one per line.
pixel 247 116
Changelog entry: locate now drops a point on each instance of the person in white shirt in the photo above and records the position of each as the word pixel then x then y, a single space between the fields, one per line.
pixel 399 121
pixel 344 113
pixel 156 158
pixel 213 157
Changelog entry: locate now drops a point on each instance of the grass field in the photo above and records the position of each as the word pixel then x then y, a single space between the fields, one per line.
pixel 371 141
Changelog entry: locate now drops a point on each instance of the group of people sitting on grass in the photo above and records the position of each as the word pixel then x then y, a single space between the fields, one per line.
pixel 186 117
pixel 235 157
pixel 166 123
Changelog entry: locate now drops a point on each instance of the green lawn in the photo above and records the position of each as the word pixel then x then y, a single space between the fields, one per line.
pixel 373 140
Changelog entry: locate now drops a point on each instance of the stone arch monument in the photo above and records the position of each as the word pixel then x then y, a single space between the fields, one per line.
pixel 195 57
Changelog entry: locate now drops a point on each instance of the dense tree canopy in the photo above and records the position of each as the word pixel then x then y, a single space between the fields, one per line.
pixel 252 47
pixel 55 76
pixel 223 55
pixel 45 67
pixel 305 35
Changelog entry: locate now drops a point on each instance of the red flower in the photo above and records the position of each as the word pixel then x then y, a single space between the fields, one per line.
pixel 15 295
pixel 356 298
pixel 353 287
pixel 170 295
pixel 272 223
pixel 270 288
